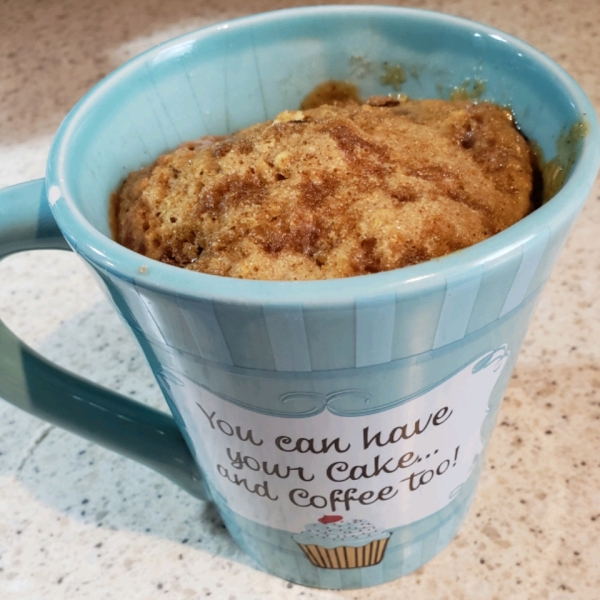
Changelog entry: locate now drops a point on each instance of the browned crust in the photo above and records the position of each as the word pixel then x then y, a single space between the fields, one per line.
pixel 332 191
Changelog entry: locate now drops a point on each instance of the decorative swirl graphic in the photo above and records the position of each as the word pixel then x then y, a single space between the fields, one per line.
pixel 351 402
pixel 495 357
pixel 169 378
pixel 316 403
pixel 347 403
pixel 343 402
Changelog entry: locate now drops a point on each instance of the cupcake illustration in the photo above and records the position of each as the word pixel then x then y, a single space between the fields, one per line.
pixel 334 543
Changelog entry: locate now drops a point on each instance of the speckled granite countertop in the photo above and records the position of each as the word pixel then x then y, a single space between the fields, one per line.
pixel 79 522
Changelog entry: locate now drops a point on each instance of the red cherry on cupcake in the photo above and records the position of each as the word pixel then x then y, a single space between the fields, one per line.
pixel 330 519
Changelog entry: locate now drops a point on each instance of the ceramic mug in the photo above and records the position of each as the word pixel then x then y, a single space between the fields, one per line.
pixel 339 426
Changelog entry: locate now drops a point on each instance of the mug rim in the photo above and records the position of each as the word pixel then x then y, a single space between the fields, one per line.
pixel 126 264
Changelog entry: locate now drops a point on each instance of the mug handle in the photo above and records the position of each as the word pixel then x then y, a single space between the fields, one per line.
pixel 40 388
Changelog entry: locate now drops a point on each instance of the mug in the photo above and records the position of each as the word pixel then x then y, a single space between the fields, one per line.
pixel 339 426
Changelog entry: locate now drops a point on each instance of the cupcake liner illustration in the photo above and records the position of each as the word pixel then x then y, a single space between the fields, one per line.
pixel 333 543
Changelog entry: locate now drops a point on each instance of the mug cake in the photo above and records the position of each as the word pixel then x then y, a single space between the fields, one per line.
pixel 340 190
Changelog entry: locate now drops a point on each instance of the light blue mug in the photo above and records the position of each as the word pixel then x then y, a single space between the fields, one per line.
pixel 339 426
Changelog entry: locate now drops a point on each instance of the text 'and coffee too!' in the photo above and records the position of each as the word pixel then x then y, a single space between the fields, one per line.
pixel 414 470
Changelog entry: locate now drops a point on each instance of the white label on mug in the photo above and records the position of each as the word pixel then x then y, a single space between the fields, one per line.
pixel 391 468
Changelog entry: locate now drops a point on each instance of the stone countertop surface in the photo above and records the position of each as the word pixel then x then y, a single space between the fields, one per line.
pixel 77 521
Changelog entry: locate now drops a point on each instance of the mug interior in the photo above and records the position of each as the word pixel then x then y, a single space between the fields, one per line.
pixel 229 76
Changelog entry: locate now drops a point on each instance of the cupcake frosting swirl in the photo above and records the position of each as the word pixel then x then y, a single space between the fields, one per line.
pixel 354 532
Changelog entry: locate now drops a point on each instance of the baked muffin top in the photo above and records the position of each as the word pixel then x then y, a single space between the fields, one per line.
pixel 333 191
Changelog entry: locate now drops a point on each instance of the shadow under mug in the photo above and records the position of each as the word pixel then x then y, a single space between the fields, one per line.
pixel 339 426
